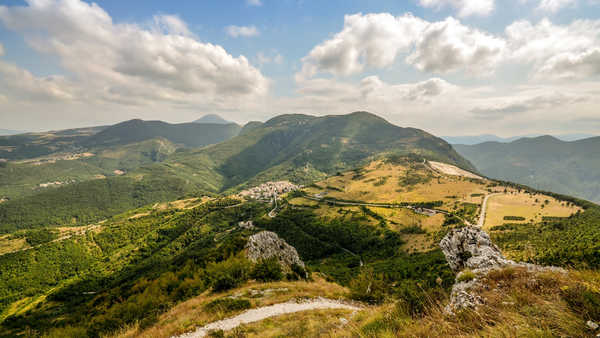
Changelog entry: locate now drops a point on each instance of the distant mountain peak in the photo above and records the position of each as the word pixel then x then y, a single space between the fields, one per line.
pixel 212 118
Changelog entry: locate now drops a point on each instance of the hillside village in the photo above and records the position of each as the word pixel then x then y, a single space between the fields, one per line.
pixel 269 190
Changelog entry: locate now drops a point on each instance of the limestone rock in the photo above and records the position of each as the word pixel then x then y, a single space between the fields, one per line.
pixel 593 326
pixel 267 244
pixel 471 248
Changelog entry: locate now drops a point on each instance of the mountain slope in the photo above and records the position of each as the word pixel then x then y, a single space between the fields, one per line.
pixel 303 148
pixel 187 134
pixel 543 162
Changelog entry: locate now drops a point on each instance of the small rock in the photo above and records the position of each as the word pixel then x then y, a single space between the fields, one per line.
pixel 593 326
pixel 343 321
pixel 246 225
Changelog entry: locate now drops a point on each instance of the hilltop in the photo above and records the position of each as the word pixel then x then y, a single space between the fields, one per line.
pixel 543 162
pixel 213 119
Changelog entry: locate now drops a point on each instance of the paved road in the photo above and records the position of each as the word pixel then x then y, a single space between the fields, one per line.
pixel 483 213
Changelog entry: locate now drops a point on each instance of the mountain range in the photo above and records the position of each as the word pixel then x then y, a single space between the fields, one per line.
pixel 476 139
pixel 150 229
pixel 543 162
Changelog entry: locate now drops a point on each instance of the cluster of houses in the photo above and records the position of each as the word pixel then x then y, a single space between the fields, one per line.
pixel 268 191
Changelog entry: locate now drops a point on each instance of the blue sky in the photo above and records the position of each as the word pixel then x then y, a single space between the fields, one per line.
pixel 299 60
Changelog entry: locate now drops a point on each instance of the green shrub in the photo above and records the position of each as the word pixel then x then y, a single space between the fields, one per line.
pixel 514 218
pixel 228 274
pixel 368 287
pixel 267 270
pixel 465 276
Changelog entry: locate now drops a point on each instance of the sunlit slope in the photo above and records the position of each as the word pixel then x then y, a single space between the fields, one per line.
pixel 385 184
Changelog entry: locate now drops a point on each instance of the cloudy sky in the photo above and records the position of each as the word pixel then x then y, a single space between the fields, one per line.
pixel 452 67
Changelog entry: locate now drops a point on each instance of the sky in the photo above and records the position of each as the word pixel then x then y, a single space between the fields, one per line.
pixel 451 67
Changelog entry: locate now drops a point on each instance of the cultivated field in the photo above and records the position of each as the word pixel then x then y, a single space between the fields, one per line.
pixel 531 207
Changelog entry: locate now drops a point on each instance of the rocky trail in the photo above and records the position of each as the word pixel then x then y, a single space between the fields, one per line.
pixel 265 312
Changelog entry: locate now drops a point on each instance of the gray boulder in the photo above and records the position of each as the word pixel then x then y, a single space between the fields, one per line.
pixel 267 244
pixel 471 248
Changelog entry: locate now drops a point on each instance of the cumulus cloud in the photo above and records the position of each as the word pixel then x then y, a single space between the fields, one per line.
pixel 129 63
pixel 573 65
pixel 558 51
pixel 20 85
pixel 244 31
pixel 449 45
pixel 465 7
pixel 376 40
pixel 554 5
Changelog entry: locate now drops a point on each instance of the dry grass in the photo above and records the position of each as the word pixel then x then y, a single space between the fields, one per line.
pixel 186 316
pixel 524 205
pixel 518 304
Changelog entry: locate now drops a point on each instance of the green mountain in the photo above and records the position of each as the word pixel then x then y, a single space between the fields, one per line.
pixel 186 134
pixel 303 148
pixel 299 148
pixel 543 162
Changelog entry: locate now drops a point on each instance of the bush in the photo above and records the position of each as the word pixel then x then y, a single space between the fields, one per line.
pixel 465 276
pixel 413 229
pixel 514 218
pixel 228 274
pixel 583 301
pixel 267 270
pixel 368 287
pixel 413 299
pixel 227 305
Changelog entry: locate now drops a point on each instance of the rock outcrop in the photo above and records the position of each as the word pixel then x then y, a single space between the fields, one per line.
pixel 267 244
pixel 471 248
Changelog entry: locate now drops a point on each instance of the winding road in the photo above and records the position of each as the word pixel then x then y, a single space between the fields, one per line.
pixel 258 314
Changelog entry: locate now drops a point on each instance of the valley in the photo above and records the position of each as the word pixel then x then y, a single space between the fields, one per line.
pixel 161 249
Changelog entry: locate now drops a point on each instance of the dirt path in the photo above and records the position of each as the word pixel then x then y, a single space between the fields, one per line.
pixel 259 314
pixel 483 213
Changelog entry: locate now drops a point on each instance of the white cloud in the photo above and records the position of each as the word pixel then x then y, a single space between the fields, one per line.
pixel 376 40
pixel 573 65
pixel 555 5
pixel 465 7
pixel 245 31
pixel 254 2
pixel 367 40
pixel 449 46
pixel 263 58
pixel 129 64
pixel 20 85
pixel 520 106
pixel 171 24
pixel 558 51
